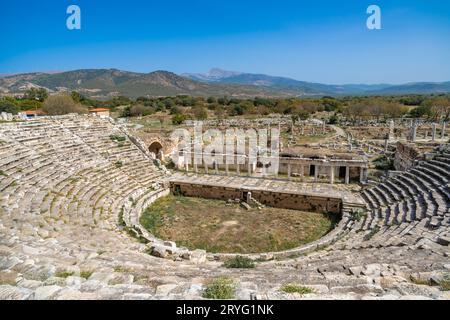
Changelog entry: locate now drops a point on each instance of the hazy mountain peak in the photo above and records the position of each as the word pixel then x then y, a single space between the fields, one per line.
pixel 215 74
pixel 218 73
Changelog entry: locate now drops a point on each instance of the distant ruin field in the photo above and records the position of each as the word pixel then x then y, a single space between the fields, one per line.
pixel 221 227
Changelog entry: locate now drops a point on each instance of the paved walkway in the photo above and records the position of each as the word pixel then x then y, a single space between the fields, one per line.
pixel 281 186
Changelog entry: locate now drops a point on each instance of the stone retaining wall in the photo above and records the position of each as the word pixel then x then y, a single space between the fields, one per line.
pixel 274 199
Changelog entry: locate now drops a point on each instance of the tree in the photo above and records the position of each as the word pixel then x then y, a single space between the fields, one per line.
pixel 29 104
pixel 39 94
pixel 330 103
pixel 220 112
pixel 77 97
pixel 178 119
pixel 200 113
pixel 238 110
pixel 333 119
pixel 175 110
pixel 169 103
pixel 211 100
pixel 420 112
pixel 126 112
pixel 62 104
pixel 440 108
pixel 8 107
pixel 223 101
pixel 302 114
pixel 137 110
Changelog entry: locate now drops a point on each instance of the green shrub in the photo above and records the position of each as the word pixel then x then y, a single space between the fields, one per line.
pixel 220 289
pixel 358 214
pixel 64 274
pixel 294 288
pixel 383 163
pixel 445 283
pixel 86 274
pixel 178 119
pixel 372 232
pixel 119 164
pixel 239 262
pixel 117 138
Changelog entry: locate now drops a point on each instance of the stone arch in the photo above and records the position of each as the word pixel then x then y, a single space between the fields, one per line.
pixel 157 148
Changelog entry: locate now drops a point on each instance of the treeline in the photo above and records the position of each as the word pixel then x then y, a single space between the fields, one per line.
pixel 183 107
pixel 352 108
pixel 58 104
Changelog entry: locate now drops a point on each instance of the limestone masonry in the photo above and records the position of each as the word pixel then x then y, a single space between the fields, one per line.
pixel 72 189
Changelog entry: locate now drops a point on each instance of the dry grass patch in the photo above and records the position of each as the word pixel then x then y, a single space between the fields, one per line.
pixel 217 226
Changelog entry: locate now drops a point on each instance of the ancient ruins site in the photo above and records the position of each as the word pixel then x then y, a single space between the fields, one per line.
pixel 96 208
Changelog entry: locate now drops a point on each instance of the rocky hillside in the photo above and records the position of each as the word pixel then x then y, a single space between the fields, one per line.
pixel 104 83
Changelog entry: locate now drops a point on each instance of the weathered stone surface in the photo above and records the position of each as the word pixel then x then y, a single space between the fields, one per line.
pixel 8 277
pixel 159 251
pixel 8 292
pixel 55 281
pixel 73 281
pixel 92 285
pixel 198 256
pixel 46 292
pixel 372 270
pixel 29 284
pixel 165 289
pixel 137 296
pixel 356 271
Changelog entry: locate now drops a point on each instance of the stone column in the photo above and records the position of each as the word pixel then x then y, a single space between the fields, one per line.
pixel 206 168
pixel 332 174
pixel 249 168
pixel 302 172
pixel 414 132
pixel 391 130
pixel 443 130
pixel 347 175
pixel 433 133
pixel 227 172
pixel 289 171
pixel 249 198
pixel 386 145
pixel 238 169
pixel 216 167
pixel 362 175
pixel 186 165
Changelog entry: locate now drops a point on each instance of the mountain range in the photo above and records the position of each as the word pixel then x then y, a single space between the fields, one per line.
pixel 106 83
pixel 302 87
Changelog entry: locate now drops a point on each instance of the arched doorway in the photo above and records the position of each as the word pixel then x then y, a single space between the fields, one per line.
pixel 156 148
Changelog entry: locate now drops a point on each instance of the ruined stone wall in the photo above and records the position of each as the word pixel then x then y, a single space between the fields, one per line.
pixel 405 156
pixel 269 198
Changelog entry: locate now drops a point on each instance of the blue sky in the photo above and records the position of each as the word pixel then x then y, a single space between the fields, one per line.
pixel 320 41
